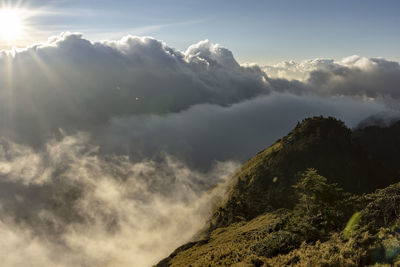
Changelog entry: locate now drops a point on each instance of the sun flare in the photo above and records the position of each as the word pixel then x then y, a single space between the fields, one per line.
pixel 11 24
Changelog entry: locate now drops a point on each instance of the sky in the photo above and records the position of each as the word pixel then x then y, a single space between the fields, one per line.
pixel 264 32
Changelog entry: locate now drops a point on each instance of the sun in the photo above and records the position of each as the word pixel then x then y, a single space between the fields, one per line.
pixel 11 24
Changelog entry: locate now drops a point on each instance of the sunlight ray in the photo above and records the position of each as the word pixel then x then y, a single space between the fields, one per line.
pixel 7 111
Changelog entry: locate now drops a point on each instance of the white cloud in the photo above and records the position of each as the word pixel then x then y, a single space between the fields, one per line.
pixel 374 78
pixel 102 211
pixel 292 70
pixel 299 71
pixel 73 82
pixel 78 85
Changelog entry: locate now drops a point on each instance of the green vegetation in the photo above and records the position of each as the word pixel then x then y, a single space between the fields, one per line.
pixel 265 181
pixel 310 234
pixel 352 225
pixel 305 201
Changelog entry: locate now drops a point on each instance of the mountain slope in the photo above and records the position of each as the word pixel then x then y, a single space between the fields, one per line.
pixel 264 182
pixel 278 238
pixel 290 203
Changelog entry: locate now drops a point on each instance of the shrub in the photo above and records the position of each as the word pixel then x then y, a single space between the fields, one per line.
pixel 279 242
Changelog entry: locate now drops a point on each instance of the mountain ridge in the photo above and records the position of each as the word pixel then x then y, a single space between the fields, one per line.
pixel 325 144
pixel 344 164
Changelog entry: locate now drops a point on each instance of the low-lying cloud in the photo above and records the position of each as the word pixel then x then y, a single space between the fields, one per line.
pixel 73 207
pixel 112 153
pixel 205 133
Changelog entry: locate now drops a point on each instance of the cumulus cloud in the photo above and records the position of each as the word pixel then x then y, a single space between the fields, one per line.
pixel 352 76
pixel 112 152
pixel 73 82
pixel 292 70
pixel 356 76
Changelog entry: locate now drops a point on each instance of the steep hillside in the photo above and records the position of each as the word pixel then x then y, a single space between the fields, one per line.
pixel 326 144
pixel 289 204
pixel 297 237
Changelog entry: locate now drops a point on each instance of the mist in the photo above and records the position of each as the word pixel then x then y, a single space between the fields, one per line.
pixel 68 206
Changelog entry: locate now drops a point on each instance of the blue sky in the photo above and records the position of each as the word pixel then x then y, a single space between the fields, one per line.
pixel 264 32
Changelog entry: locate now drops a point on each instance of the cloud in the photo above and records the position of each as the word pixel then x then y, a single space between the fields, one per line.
pixel 96 211
pixel 73 82
pixel 356 76
pixel 353 76
pixel 205 133
pixel 297 71
pixel 113 152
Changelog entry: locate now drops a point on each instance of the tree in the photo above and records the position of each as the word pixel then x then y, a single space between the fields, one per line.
pixel 321 204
